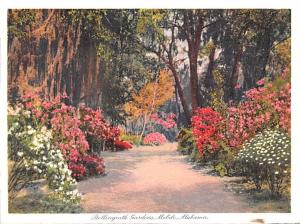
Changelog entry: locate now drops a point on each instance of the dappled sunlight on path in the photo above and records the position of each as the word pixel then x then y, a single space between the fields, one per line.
pixel 156 179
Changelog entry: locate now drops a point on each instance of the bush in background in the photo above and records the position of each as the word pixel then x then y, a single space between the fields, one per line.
pixel 154 138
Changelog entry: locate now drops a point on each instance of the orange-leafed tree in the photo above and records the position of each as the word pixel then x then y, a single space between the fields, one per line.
pixel 150 98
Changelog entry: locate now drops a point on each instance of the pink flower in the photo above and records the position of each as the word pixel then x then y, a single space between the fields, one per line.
pixel 28 105
pixel 260 82
pixel 46 105
pixel 155 138
pixel 237 86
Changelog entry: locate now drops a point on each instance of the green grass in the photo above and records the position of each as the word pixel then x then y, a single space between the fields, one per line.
pixel 261 200
pixel 133 139
pixel 41 203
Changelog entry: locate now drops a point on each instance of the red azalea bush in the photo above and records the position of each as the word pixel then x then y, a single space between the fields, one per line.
pixel 78 170
pixel 154 138
pixel 94 164
pixel 207 129
pixel 87 165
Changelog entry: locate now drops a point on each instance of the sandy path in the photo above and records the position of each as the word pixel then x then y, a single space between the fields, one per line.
pixel 156 179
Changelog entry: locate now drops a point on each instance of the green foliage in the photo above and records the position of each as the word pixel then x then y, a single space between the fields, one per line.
pixel 150 18
pixel 266 159
pixel 18 20
pixel 221 169
pixel 186 142
pixel 217 94
pixel 133 139
pixel 42 203
pixel 282 52
pixel 206 49
pixel 94 28
pixel 194 154
pixel 224 162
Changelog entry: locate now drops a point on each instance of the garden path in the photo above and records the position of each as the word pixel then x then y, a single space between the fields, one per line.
pixel 156 179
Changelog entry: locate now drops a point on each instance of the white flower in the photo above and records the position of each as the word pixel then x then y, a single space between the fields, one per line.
pixel 20 154
pixel 27 113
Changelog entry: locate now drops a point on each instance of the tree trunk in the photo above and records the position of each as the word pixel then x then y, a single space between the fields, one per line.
pixel 210 68
pixel 54 57
pixel 143 129
pixel 235 73
pixel 193 25
pixel 177 107
pixel 194 83
pixel 181 95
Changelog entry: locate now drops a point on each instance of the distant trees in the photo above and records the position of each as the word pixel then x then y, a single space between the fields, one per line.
pixel 101 57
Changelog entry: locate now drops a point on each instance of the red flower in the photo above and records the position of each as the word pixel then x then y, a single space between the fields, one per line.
pixel 206 128
pixel 121 145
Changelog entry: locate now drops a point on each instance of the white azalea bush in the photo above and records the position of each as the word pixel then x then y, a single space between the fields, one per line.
pixel 32 157
pixel 266 159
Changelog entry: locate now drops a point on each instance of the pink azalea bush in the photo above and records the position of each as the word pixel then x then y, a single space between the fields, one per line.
pixel 95 125
pixel 154 138
pixel 268 106
pixel 74 132
pixel 167 121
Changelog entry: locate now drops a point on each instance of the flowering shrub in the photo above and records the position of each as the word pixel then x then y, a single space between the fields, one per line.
pixel 76 132
pixel 94 164
pixel 266 158
pixel 245 121
pixel 34 156
pixel 166 121
pixel 218 138
pixel 154 138
pixel 266 107
pixel 96 128
pixel 207 129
